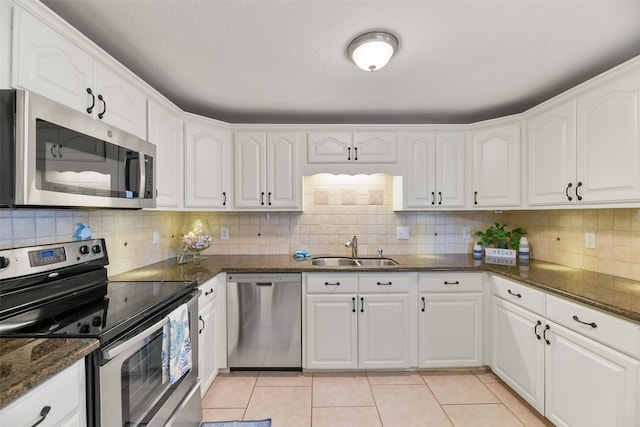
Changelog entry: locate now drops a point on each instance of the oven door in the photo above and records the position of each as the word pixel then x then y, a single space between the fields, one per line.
pixel 131 387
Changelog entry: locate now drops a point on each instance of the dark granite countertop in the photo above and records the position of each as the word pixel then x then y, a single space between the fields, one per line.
pixel 615 295
pixel 27 362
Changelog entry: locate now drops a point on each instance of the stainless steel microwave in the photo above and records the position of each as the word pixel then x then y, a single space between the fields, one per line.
pixel 51 155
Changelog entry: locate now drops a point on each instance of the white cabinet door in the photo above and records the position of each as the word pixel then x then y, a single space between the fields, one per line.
pixel 207 345
pixel 119 103
pixel 383 331
pixel 250 169
pixel 166 132
pixel 421 170
pixel 450 154
pixel 588 384
pixel 266 171
pixel 47 63
pixel 329 147
pixel 374 147
pixel 450 327
pixel 608 165
pixel 496 166
pixel 283 181
pixel 352 147
pixel 207 172
pixel 551 156
pixel 518 351
pixel 331 332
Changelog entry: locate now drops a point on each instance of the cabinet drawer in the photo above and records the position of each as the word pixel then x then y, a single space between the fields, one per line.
pixel 383 283
pixel 519 294
pixel 209 293
pixel 62 393
pixel 450 282
pixel 331 283
pixel 605 328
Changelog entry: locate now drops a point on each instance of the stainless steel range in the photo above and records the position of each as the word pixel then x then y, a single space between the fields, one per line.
pixel 62 290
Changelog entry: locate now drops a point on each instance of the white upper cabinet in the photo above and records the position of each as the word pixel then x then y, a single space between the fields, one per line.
pixel 608 132
pixel 551 155
pixel 435 170
pixel 266 172
pixel 587 150
pixel 46 62
pixel 496 166
pixel 352 147
pixel 165 130
pixel 207 171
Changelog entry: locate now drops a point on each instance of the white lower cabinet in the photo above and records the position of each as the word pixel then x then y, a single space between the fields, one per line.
pixel 64 394
pixel 574 380
pixel 207 333
pixel 450 321
pixel 357 321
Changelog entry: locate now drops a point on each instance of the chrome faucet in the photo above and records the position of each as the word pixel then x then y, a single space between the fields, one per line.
pixel 353 244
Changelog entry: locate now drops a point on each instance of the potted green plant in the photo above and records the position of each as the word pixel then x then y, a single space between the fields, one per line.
pixel 497 235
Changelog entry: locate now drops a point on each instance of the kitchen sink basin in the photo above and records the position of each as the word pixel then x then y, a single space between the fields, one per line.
pixel 353 262
pixel 334 261
pixel 369 262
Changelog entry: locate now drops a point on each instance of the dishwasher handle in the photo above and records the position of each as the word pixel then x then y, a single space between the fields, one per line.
pixel 264 283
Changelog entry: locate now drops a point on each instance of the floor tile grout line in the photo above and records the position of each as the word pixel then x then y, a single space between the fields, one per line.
pixel 373 396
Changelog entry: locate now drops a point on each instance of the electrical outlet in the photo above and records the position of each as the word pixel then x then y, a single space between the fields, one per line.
pixel 402 233
pixel 590 240
pixel 155 237
pixel 224 234
pixel 466 232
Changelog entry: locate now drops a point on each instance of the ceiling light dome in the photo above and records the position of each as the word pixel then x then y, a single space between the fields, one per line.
pixel 371 51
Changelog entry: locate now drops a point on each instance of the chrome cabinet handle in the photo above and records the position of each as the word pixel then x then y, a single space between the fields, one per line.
pixel 592 324
pixel 43 413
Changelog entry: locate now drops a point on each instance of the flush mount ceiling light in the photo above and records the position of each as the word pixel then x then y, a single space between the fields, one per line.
pixel 371 51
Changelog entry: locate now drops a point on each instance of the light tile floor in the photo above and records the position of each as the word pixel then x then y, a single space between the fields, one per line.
pixel 371 399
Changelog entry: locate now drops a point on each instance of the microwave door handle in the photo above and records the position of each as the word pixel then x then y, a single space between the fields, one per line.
pixel 134 341
pixel 142 170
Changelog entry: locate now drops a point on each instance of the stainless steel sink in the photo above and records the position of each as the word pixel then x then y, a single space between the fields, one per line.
pixel 334 261
pixel 353 262
pixel 375 262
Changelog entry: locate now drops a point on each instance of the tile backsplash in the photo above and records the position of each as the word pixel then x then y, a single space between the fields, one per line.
pixel 337 207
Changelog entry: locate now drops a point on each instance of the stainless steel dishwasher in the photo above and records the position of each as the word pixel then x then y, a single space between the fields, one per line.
pixel 264 320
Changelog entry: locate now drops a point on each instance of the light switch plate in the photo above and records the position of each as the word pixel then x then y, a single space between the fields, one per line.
pixel 224 234
pixel 590 240
pixel 155 237
pixel 402 233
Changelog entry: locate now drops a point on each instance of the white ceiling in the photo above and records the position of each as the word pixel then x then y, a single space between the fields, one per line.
pixel 285 61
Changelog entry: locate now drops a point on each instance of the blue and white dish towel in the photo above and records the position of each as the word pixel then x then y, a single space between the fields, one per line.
pixel 176 345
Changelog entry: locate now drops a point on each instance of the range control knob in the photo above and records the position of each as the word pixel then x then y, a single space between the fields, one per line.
pixel 85 328
pixel 97 321
pixel 4 262
pixel 84 249
pixel 96 249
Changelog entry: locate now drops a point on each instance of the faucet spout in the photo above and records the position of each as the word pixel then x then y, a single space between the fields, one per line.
pixel 353 244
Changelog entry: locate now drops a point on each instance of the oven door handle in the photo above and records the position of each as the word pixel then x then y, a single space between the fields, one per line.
pixel 111 353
